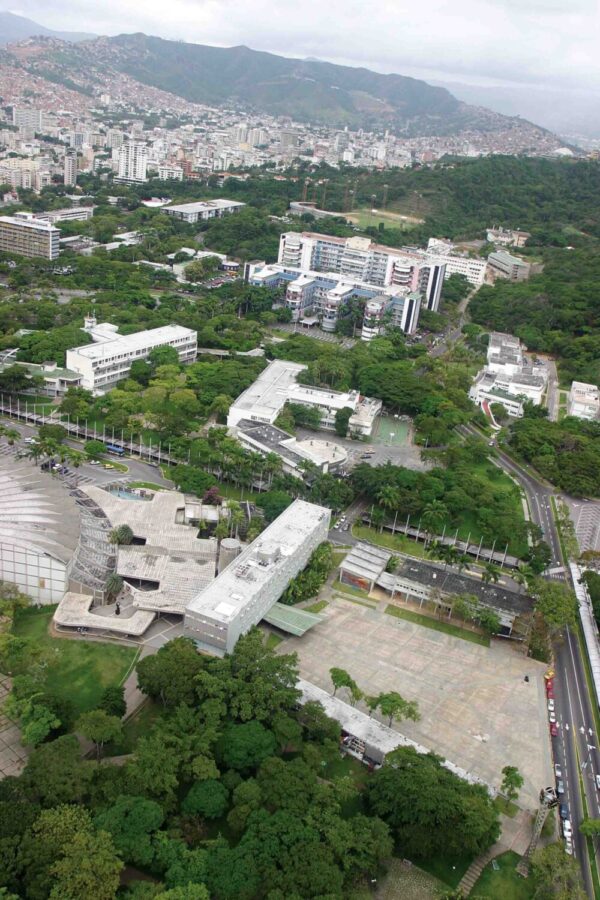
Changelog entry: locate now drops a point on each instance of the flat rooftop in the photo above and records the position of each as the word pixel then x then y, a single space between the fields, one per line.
pixel 268 393
pixel 202 206
pixel 128 343
pixel 244 580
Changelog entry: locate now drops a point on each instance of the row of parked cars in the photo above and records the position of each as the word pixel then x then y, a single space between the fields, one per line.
pixel 563 809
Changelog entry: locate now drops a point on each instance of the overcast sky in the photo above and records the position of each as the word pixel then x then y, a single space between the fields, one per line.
pixel 475 41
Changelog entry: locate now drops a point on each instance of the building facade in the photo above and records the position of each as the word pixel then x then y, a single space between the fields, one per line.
pixel 248 588
pixel 70 168
pixel 584 401
pixel 132 163
pixel 508 266
pixel 26 236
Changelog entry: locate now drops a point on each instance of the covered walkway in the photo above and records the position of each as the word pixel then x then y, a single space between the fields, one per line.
pixel 294 621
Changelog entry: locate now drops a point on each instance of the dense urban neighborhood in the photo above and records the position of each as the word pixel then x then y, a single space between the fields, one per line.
pixel 299 486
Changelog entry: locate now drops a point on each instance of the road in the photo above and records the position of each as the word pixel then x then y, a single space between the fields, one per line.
pixel 575 748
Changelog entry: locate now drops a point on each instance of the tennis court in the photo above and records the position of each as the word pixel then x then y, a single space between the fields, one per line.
pixel 391 431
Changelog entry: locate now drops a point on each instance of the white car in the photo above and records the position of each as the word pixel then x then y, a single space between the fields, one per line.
pixel 569 847
pixel 557 770
pixel 551 717
pixel 567 830
pixel 95 462
pixel 551 705
pixel 30 441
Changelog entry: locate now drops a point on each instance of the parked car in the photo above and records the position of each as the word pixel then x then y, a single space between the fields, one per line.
pixel 560 787
pixel 550 705
pixel 563 810
pixel 569 847
pixel 598 782
pixel 95 462
pixel 30 441
pixel 553 729
pixel 557 770
pixel 550 692
pixel 552 717
pixel 567 829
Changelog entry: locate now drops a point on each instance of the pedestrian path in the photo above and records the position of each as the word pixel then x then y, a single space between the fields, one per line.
pixel 515 835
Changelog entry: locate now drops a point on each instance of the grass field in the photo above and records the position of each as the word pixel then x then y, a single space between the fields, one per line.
pixel 367 218
pixel 503 882
pixel 398 542
pixel 148 485
pixel 450 871
pixel 78 669
pixel 438 625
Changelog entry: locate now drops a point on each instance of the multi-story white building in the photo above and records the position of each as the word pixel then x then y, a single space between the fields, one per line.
pixel 278 384
pixel 508 378
pixel 28 118
pixel 250 585
pixel 70 168
pixel 132 163
pixel 170 173
pixel 108 360
pixel 203 210
pixel 584 401
pixel 324 295
pixel 359 259
pixel 69 214
pixel 26 236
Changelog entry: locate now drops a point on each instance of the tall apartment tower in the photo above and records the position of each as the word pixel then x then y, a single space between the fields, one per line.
pixel 24 235
pixel 133 162
pixel 70 175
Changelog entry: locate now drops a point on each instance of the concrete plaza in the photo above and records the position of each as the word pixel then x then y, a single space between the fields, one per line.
pixel 476 709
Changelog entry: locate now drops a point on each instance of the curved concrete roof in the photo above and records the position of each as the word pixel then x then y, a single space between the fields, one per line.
pixel 36 512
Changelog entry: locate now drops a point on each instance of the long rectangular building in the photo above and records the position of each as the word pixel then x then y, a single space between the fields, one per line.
pixel 202 210
pixel 248 588
pixel 25 236
pixel 108 360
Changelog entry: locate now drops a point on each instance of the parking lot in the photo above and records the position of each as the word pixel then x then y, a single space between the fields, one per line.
pixel 476 709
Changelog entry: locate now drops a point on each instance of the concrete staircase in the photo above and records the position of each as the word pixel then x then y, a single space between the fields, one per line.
pixel 467 882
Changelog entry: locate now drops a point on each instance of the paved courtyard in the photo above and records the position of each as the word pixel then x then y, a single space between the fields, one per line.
pixel 476 709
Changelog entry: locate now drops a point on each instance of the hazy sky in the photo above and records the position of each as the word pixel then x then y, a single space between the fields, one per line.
pixel 479 41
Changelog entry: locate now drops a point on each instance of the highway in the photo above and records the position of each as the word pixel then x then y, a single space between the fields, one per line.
pixel 575 748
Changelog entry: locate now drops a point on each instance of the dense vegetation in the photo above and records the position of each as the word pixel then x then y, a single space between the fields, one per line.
pixel 567 453
pixel 232 792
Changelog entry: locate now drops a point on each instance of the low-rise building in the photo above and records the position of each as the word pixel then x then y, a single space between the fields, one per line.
pixel 584 401
pixel 418 581
pixel 108 360
pixel 56 379
pixel 507 237
pixel 508 266
pixel 203 210
pixel 277 385
pixel 263 438
pixel 508 378
pixel 250 586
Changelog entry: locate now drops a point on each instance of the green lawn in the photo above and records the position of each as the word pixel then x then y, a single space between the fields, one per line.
pixel 316 607
pixel 394 542
pixel 438 625
pixel 148 485
pixel 506 807
pixel 503 883
pixel 78 669
pixel 273 640
pixel 450 871
pixel 364 218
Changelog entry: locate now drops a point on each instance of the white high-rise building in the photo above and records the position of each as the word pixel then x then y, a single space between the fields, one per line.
pixel 70 176
pixel 133 163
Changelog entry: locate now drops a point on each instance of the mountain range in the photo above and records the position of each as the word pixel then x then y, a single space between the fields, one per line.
pixel 18 28
pixel 304 90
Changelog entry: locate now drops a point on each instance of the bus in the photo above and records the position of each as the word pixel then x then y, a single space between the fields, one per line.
pixel 116 451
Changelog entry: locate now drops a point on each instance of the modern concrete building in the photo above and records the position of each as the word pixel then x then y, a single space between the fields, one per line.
pixel 132 163
pixel 277 385
pixel 69 214
pixel 264 438
pixel 170 173
pixel 108 360
pixel 508 266
pixel 203 210
pixel 507 237
pixel 24 235
pixel 584 401
pixel 247 590
pixel 57 380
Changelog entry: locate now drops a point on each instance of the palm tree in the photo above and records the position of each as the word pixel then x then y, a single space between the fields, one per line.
pixel 11 434
pixel 113 586
pixel 122 534
pixel 491 572
pixel 433 517
pixel 388 498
